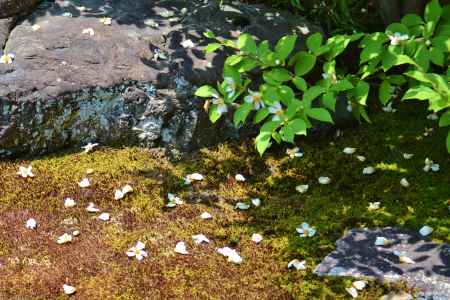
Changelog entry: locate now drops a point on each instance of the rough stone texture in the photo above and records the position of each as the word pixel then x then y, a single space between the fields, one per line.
pixel 66 88
pixel 356 255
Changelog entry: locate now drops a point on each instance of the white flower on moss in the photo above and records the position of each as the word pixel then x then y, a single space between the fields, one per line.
pixel 404 182
pixel 68 289
pixel 106 21
pixel 297 264
pixel 349 150
pixel 104 217
pixel 407 155
pixel 69 202
pixel 84 183
pixel 356 286
pixel 432 117
pixel 257 238
pixel 180 248
pixel 302 188
pixel 239 177
pixel 361 158
pixel 425 230
pixel 137 251
pixel 31 224
pixel 121 193
pixel 188 179
pixel 397 38
pixel 187 44
pixel 374 205
pixel 7 59
pixel 277 110
pixel 368 170
pixel 89 147
pixel 35 27
pixel 206 216
pixel 91 208
pixel 294 152
pixel 88 31
pixel 255 98
pixel 232 255
pixel 173 200
pixel 382 241
pixel 242 206
pixel 256 202
pixel 64 239
pixel 403 258
pixel 200 238
pixel 305 230
pixel 324 180
pixel 430 165
pixel 26 171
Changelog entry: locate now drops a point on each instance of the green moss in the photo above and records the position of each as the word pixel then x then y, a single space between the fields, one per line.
pixel 332 209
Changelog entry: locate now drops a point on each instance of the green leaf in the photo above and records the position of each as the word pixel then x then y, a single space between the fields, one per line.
pixel 285 46
pixel 314 41
pixel 287 133
pixel 412 20
pixel 444 120
pixel 233 60
pixel 337 45
pixel 242 112
pixel 246 43
pixel 397 27
pixel 300 83
pixel 441 42
pixel 320 114
pixel 342 85
pixel 286 94
pixel 437 56
pixel 214 115
pixel 384 92
pixel 422 58
pixel 448 142
pixel 361 92
pixel 396 79
pixel 371 51
pixel 305 63
pixel 212 47
pixel 269 94
pixel 276 76
pixel 433 11
pixel 247 64
pixel 261 115
pixel 209 34
pixel 418 75
pixel 312 93
pixel 262 142
pixel 206 91
pixel 363 113
pixel 421 92
pixel 329 101
pixel 391 59
pixel 298 126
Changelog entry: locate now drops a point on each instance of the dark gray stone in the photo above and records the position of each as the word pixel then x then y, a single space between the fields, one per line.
pixel 356 255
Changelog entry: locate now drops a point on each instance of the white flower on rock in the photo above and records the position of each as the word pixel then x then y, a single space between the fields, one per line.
pixel 137 251
pixel 349 150
pixel 91 208
pixel 88 31
pixel 430 165
pixel 84 183
pixel 425 230
pixel 255 98
pixel 297 264
pixel 64 239
pixel 89 147
pixel 277 110
pixel 382 241
pixel 26 171
pixel 242 206
pixel 397 38
pixel 68 289
pixel 407 155
pixel 257 238
pixel 7 59
pixel 256 202
pixel 404 182
pixel 104 217
pixel 239 177
pixel 302 188
pixel 106 21
pixel 356 286
pixel 361 158
pixel 324 180
pixel 180 248
pixel 374 205
pixel 305 230
pixel 69 202
pixel 368 170
pixel 31 224
pixel 206 216
pixel 231 254
pixel 193 177
pixel 403 258
pixel 121 193
pixel 294 152
pixel 200 238
pixel 187 44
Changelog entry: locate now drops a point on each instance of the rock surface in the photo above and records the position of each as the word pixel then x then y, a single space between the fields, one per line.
pixel 108 85
pixel 357 256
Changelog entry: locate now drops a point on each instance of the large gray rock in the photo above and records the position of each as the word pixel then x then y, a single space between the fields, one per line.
pixel 67 88
pixel 356 255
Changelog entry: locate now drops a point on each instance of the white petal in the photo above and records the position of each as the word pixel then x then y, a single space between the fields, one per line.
pixel 242 206
pixel 256 202
pixel 324 180
pixel 140 245
pixel 206 216
pixel 200 238
pixel 31 224
pixel 368 170
pixel 298 265
pixel 91 208
pixel 425 230
pixel 404 182
pixel 84 183
pixel 303 188
pixel 407 155
pixel 104 217
pixel 76 233
pixel 68 289
pixel 65 238
pixel 349 150
pixel 257 238
pixel 239 177
pixel 374 205
pixel 69 202
pixel 352 291
pixel 359 285
pixel 181 248
pixel 361 158
pixel 197 176
pixel 187 44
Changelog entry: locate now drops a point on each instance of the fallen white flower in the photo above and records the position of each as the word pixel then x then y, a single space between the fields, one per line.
pixel 239 177
pixel 88 31
pixel 305 230
pixel 120 194
pixel 256 202
pixel 425 230
pixel 298 265
pixel 407 155
pixel 193 177
pixel 324 180
pixel 103 217
pixel 89 147
pixel 35 27
pixel 31 224
pixel 349 150
pixel 356 286
pixel 91 208
pixel 26 171
pixel 257 238
pixel 242 206
pixel 69 202
pixel 173 200
pixel 181 248
pixel 137 251
pixel 200 238
pixel 361 158
pixel 206 216
pixel 187 44
pixel 404 182
pixel 65 238
pixel 84 183
pixel 374 205
pixel 302 188
pixel 68 289
pixel 231 254
pixel 382 241
pixel 368 170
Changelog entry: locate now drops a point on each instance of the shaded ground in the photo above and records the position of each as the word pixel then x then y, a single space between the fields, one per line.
pixel 33 266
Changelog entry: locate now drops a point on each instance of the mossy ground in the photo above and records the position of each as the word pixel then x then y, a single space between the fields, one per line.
pixel 33 266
